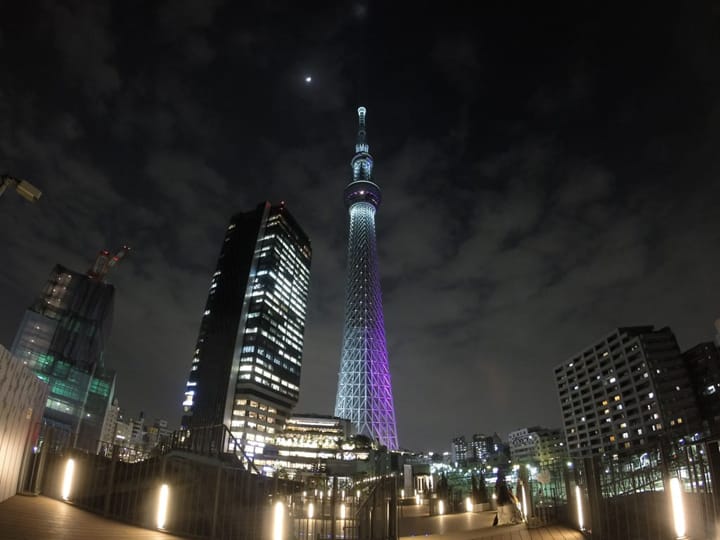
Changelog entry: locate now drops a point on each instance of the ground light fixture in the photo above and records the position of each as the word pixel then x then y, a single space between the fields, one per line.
pixel 278 521
pixel 468 505
pixel 677 508
pixel 310 510
pixel 68 479
pixel 417 499
pixel 163 498
pixel 441 507
pixel 342 511
pixel 578 501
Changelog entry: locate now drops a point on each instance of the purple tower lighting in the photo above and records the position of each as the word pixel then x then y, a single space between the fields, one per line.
pixel 364 394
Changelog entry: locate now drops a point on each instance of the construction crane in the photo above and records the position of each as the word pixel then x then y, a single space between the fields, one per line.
pixel 104 263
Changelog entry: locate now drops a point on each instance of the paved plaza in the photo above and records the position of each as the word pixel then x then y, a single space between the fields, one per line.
pixel 41 518
pixel 414 522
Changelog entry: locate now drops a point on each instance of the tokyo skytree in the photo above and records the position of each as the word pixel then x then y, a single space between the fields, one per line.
pixel 364 394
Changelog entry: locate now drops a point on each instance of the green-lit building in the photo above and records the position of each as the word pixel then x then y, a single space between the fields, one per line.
pixel 62 338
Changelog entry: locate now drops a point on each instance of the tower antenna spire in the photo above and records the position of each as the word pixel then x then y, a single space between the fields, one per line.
pixel 362 145
pixel 362 162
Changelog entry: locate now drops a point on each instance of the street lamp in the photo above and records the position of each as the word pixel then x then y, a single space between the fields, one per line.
pixel 22 187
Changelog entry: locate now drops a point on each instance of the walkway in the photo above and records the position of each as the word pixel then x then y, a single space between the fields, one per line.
pixel 471 526
pixel 33 518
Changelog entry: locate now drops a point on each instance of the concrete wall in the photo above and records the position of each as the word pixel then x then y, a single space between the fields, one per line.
pixel 22 402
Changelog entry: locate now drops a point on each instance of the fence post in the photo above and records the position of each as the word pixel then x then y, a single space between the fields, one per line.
pixel 713 456
pixel 47 447
pixel 393 517
pixel 216 502
pixel 109 490
pixel 591 467
pixel 333 500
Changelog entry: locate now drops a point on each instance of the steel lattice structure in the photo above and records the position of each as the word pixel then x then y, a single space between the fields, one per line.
pixel 364 394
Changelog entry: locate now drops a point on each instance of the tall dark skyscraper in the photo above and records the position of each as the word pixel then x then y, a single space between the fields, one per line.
pixel 246 367
pixel 364 394
pixel 62 338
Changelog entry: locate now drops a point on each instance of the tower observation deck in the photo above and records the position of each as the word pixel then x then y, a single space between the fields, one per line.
pixel 364 394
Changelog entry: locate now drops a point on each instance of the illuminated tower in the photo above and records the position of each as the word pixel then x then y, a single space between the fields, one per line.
pixel 364 394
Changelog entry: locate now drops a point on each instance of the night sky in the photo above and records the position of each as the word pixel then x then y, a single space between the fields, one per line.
pixel 547 174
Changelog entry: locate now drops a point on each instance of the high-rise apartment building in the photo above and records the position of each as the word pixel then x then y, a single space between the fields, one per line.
pixel 364 394
pixel 62 338
pixel 625 390
pixel 245 372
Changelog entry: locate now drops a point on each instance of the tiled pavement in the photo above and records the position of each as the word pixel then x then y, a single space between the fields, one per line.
pixel 41 518
pixel 469 526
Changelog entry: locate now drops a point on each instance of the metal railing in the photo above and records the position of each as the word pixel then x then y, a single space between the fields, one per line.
pixel 627 495
pixel 216 441
pixel 213 491
pixel 360 511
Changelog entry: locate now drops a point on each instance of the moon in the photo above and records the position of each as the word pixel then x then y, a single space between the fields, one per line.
pixel 308 79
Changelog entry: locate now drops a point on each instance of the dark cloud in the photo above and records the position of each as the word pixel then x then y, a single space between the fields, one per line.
pixel 544 181
pixel 85 45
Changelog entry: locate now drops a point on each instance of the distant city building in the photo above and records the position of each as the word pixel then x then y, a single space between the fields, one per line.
pixel 552 447
pixel 481 447
pixel 460 450
pixel 364 393
pixel 133 439
pixel 480 450
pixel 307 442
pixel 624 390
pixel 62 338
pixel 109 429
pixel 536 445
pixel 703 365
pixel 123 432
pixel 499 455
pixel 246 368
pixel 138 432
pixel 159 433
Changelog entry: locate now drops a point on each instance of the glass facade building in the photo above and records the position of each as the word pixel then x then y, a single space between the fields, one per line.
pixel 245 372
pixel 62 338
